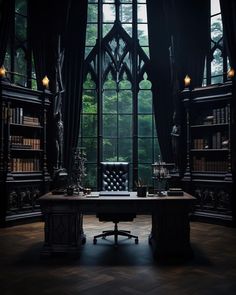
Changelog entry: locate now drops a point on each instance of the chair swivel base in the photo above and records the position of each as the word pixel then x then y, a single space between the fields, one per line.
pixel 115 233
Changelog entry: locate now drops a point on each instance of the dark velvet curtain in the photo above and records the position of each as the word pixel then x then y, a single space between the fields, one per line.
pixel 228 11
pixel 190 29
pixel 73 75
pixel 6 18
pixel 182 26
pixel 159 41
pixel 46 23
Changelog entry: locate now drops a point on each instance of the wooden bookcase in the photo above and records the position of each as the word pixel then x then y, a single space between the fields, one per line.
pixel 207 126
pixel 23 160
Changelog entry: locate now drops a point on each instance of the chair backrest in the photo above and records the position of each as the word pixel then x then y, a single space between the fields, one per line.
pixel 114 176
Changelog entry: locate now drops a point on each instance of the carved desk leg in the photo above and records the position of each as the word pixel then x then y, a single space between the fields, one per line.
pixel 170 237
pixel 63 230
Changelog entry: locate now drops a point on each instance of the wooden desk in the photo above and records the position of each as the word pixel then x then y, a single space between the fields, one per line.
pixel 170 232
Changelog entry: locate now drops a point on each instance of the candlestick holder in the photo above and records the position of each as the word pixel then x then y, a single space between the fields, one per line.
pixel 78 169
pixel 161 173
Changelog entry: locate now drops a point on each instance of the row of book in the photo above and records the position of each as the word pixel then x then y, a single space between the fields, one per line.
pixel 25 143
pixel 217 141
pixel 217 116
pixel 202 164
pixel 25 165
pixel 17 116
pixel 221 115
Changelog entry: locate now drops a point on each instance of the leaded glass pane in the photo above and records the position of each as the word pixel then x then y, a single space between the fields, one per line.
pixel 125 83
pixel 109 101
pixel 92 13
pixel 145 125
pixel 126 13
pixel 128 28
pixel 145 83
pixel 217 63
pixel 110 83
pixel 89 101
pixel 146 50
pixel 108 13
pixel 110 149
pixel 21 28
pixel 145 150
pixel 216 28
pixel 106 29
pixel 89 125
pixel 215 7
pixel 143 34
pixel 216 80
pixel 91 34
pixel 145 101
pixel 87 51
pixel 89 83
pixel 90 145
pixel 125 101
pixel 142 13
pixel 125 126
pixel 125 149
pixel 110 125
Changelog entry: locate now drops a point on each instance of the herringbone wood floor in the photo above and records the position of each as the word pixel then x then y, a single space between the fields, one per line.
pixel 129 269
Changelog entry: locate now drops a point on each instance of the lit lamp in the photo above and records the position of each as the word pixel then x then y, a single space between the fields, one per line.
pixel 2 72
pixel 45 82
pixel 230 73
pixel 187 81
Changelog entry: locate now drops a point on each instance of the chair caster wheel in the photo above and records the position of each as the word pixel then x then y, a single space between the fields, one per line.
pixel 94 241
pixel 136 241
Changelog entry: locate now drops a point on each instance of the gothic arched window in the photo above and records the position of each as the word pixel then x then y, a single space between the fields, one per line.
pixel 217 63
pixel 18 59
pixel 117 122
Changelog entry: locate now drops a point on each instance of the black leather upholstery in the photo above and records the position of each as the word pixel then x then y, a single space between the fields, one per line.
pixel 115 177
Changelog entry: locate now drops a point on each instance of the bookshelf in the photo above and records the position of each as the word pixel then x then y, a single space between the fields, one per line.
pixel 207 132
pixel 23 157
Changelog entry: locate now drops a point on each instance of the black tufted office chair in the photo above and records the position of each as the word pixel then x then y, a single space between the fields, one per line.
pixel 115 177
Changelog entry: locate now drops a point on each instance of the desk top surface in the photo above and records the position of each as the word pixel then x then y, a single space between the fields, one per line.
pixel 95 196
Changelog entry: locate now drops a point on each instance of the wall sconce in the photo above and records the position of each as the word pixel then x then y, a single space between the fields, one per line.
pixel 230 73
pixel 2 72
pixel 187 81
pixel 45 82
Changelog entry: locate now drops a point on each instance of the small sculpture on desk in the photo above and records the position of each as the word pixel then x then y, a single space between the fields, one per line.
pixel 161 174
pixel 78 169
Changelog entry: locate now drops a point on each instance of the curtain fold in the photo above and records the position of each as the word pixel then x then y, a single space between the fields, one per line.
pixel 41 36
pixel 73 76
pixel 159 40
pixel 178 30
pixel 6 19
pixel 228 12
pixel 190 29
